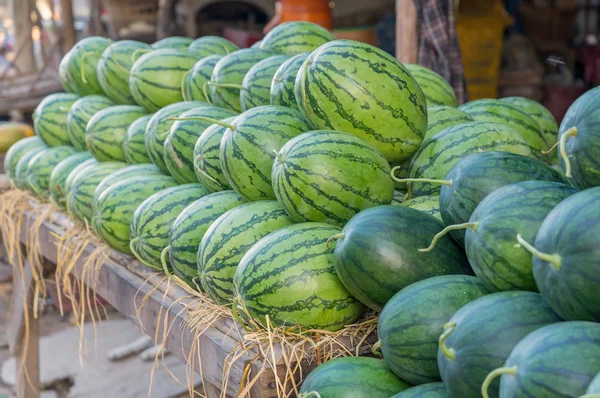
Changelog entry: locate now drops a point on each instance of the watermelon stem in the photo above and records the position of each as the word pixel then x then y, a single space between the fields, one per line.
pixel 572 132
pixel 552 148
pixel 234 310
pixel 554 259
pixel 132 244
pixel 376 349
pixel 226 85
pixel 206 96
pixel 467 225
pixel 205 119
pixel 341 235
pixel 281 159
pixel 134 56
pixel 82 65
pixel 114 59
pixel 163 260
pixel 183 79
pixel 512 370
pixel 197 283
pixel 425 180
pixel 450 353
pixel 204 173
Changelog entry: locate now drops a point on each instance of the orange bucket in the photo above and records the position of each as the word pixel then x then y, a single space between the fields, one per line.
pixel 316 11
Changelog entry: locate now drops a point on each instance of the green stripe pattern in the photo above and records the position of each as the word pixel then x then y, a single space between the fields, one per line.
pixel 59 176
pixel 75 172
pixel 173 42
pixel 538 113
pixel 89 51
pixel 64 73
pixel 134 146
pixel 50 118
pixel 329 176
pixel 178 152
pixel 359 89
pixel 429 390
pixel 398 197
pixel 207 163
pixel 80 114
pixel 136 170
pixel 247 152
pixel 282 87
pixel 40 168
pixel 436 89
pixel 16 152
pixel 21 170
pixel 195 82
pixel 257 82
pixel 106 130
pixel 229 238
pixel 296 37
pixel 206 46
pixel 427 204
pixel 152 220
pixel 441 117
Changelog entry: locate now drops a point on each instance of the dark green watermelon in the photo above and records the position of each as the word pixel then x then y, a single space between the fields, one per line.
pixel 206 46
pixel 429 390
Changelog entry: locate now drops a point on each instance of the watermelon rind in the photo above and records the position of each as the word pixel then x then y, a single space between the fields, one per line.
pixel 256 86
pixel 206 46
pixel 75 172
pixel 172 42
pixel 295 37
pixel 429 390
pixel 124 173
pixel 21 169
pixel 80 114
pixel 50 118
pixel 40 168
pixel 16 152
pixel 134 146
pixel 441 117
pixel 87 53
pixel 59 176
pixel 195 83
pixel 539 113
pixel 207 162
pixel 427 204
pixel 282 86
pixel 436 89
pixel 64 73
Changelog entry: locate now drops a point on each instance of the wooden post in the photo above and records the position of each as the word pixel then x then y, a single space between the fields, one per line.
pixel 163 25
pixel 21 13
pixel 68 25
pixel 190 21
pixel 407 43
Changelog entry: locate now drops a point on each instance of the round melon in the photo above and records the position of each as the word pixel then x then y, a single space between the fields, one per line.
pixel 16 152
pixel 282 86
pixel 173 42
pixel 256 86
pixel 41 166
pixel 296 37
pixel 59 176
pixel 436 89
pixel 195 84
pixel 207 163
pixel 441 117
pixel 80 114
pixel 539 113
pixel 426 204
pixel 75 172
pixel 86 53
pixel 429 390
pixel 124 173
pixel 64 73
pixel 134 146
pixel 50 118
pixel 206 46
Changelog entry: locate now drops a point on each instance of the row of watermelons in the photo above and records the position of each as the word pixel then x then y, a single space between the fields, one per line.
pixel 284 210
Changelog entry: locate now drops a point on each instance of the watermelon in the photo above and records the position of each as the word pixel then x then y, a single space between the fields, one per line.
pixel 398 197
pixel 436 89
pixel 330 176
pixel 64 74
pixel 248 148
pixel 377 253
pixel 114 208
pixel 21 170
pixel 429 390
pixel 565 260
pixel 113 70
pixel 124 173
pixel 75 172
pixel 538 113
pixel 50 118
pixel 207 163
pixel 427 204
pixel 86 53
pixel 228 74
pixel 134 146
pixel 152 220
pixel 480 336
pixel 441 117
pixel 436 156
pixel 206 46
pixel 80 196
pixel 492 235
pixel 580 142
pixel 594 386
pixel 178 151
pixel 295 37
pixel 106 130
pixel 410 323
pixel 256 86
pixel 195 83
pixel 41 165
pixel 80 114
pixel 491 110
pixel 289 276
pixel 349 97
pixel 173 42
pixel 155 79
pixel 159 125
pixel 189 228
pixel 555 361
pixel 282 86
pixel 256 44
pixel 400 171
pixel 59 176
pixel 16 152
pixel 229 238
pixel 352 377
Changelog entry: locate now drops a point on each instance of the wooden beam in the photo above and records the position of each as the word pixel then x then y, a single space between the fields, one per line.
pixel 165 19
pixel 407 43
pixel 21 14
pixel 68 25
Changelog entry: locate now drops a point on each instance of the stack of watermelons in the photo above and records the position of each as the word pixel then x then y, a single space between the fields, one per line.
pixel 311 180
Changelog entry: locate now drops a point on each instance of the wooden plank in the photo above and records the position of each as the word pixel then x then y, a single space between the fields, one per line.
pixel 22 289
pixel 407 44
pixel 69 36
pixel 21 16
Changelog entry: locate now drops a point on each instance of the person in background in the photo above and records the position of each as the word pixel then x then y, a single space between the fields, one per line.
pixel 317 11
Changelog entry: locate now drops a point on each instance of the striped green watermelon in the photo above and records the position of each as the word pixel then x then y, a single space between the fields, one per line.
pixel 553 362
pixel 289 276
pixel 195 83
pixel 436 89
pixel 429 390
pixel 480 336
pixel 178 152
pixel 59 176
pixel 64 73
pixel 50 118
pixel 436 156
pixel 40 168
pixel 114 208
pixel 441 117
pixel 580 142
pixel 256 86
pixel 86 53
pixel 282 86
pixel 80 197
pixel 206 46
pixel 352 377
pixel 159 125
pixel 155 79
pixel 124 173
pixel 248 148
pixel 113 70
pixel 565 261
pixel 189 228
pixel 410 323
pixel 400 171
pixel 152 220
pixel 134 146
pixel 16 152
pixel 538 113
pixel 21 170
pixel 229 238
pixel 427 204
pixel 75 172
pixel 207 163
pixel 490 110
pixel 229 73
pixel 296 37
pixel 106 130
pixel 330 176
pixel 80 114
pixel 398 197
pixel 173 42
pixel 594 387
pixel 492 235
pixel 359 89
pixel 377 253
